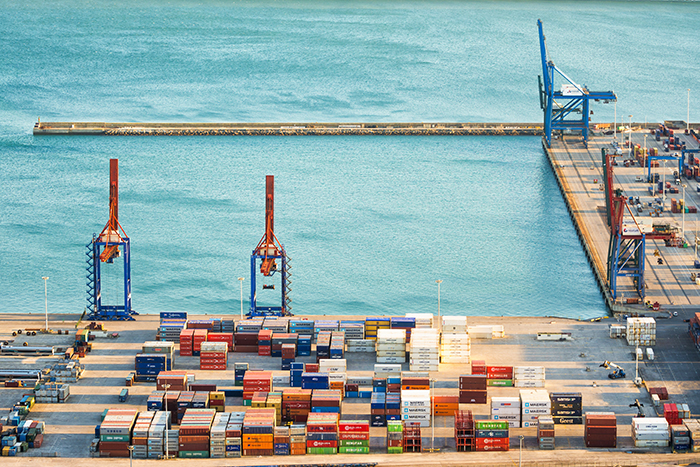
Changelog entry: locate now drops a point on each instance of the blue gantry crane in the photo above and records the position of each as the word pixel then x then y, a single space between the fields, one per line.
pixel 110 244
pixel 269 251
pixel 566 108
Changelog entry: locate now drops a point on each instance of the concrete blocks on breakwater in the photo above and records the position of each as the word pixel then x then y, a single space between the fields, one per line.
pixel 286 129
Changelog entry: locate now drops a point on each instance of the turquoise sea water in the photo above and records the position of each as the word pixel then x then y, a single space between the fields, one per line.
pixel 370 222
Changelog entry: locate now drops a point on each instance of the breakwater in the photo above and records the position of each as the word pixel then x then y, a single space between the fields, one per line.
pixel 287 129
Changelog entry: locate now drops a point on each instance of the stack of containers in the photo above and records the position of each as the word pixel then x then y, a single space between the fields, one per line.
pixel 195 427
pixel 454 324
pixel 425 350
pixel 213 356
pixel 199 336
pixel 406 324
pixel 172 440
pixel 274 401
pixel 472 389
pixel 315 380
pixel 336 370
pixel 115 432
pixel 337 348
pixel 506 409
pixel 394 437
pixel 323 345
pixel 378 408
pixel 296 404
pixel 186 338
pixel 184 402
pixel 258 432
pixel 147 366
pixel 281 338
pixel 177 380
pixel 217 401
pixel 650 432
pixel 445 406
pixel 480 332
pixel 528 376
pixel 326 401
pixel 391 346
pixel 246 342
pixel 534 403
pixel 479 367
pixel 288 353
pixel 324 325
pixel 393 405
pixel 228 326
pixel 501 376
pixel 226 337
pixel 641 331
pixel 322 433
pixel 387 370
pixel 372 325
pixel 239 370
pixel 295 371
pixel 156 434
pixel 297 440
pixel 353 437
pixel 276 324
pixel 600 429
pixel 676 413
pixel 301 326
pixel 353 329
pixel 464 431
pixel 455 348
pixel 680 438
pixel 249 326
pixel 545 432
pixel 422 320
pixel 693 426
pixel 256 381
pixel 139 436
pixel 567 408
pixel 234 430
pixel 265 342
pixel 171 324
pixel 205 324
pixel 281 441
pixel 412 437
pixel 415 407
pixel 491 435
pixel 304 345
pixel 166 348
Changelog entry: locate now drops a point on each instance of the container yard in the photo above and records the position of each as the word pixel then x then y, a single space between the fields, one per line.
pixel 472 412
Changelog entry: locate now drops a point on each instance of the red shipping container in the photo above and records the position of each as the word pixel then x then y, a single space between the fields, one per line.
pixel 321 444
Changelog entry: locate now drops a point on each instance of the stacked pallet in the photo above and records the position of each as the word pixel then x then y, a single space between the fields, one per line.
pixel 641 331
pixel 407 324
pixel 464 431
pixel 265 342
pixel 256 381
pixel 257 438
pixel 455 348
pixel 297 440
pixel 391 346
pixel 322 433
pixel 491 435
pixel 680 438
pixel 501 376
pixel 425 350
pixel 281 441
pixel 534 403
pixel 213 356
pixel 445 406
pixel 412 438
pixel 528 376
pixel 506 409
pixel 115 432
pixel 353 329
pixel 422 320
pixel 226 337
pixel 693 426
pixel 416 407
pixel 353 437
pixel 394 437
pixel 296 404
pixel 600 429
pixel 156 434
pixel 336 370
pixel 234 431
pixel 545 432
pixel 650 432
pixel 166 348
pixel 567 408
pixel 139 436
pixel 372 325
pixel 472 389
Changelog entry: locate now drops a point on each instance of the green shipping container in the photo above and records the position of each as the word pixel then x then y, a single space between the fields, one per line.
pixel 490 425
pixel 104 414
pixel 500 382
pixel 118 438
pixel 394 427
pixel 321 451
pixel 353 442
pixel 395 450
pixel 354 450
pixel 199 454
pixel 248 402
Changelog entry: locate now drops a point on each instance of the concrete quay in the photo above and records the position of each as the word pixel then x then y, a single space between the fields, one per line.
pixel 571 366
pixel 287 129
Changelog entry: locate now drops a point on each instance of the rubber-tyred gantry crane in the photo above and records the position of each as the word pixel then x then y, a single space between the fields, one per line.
pixel 273 258
pixel 562 105
pixel 111 243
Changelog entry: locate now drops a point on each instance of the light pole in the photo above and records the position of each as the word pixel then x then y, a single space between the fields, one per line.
pixel 615 125
pixel 240 280
pixel 438 282
pixel 687 118
pixel 131 452
pixel 46 302
pixel 166 386
pixel 520 456
pixel 630 137
pixel 683 222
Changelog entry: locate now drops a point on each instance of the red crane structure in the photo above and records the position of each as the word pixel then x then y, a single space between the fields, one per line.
pixel 270 251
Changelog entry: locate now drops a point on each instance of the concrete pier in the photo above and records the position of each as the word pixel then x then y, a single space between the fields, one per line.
pixel 286 129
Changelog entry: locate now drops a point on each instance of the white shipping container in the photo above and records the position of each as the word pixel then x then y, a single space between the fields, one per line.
pixel 536 411
pixel 505 402
pixel 391 359
pixel 529 377
pixel 506 417
pixel 528 383
pixel 650 443
pixel 651 435
pixel 528 370
pixel 416 410
pixel 506 411
pixel 649 423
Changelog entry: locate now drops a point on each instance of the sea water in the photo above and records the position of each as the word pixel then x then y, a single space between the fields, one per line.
pixel 369 222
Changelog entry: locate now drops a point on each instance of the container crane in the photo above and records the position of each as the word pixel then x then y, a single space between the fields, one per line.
pixel 273 258
pixel 561 105
pixel 111 243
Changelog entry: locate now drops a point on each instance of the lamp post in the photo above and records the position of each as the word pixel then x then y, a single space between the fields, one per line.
pixel 46 302
pixel 166 386
pixel 687 118
pixel 131 452
pixel 240 280
pixel 683 221
pixel 520 456
pixel 630 145
pixel 438 282
pixel 615 125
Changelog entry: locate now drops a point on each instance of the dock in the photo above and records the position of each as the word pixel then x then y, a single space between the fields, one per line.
pixel 287 129
pixel 572 365
pixel 580 176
